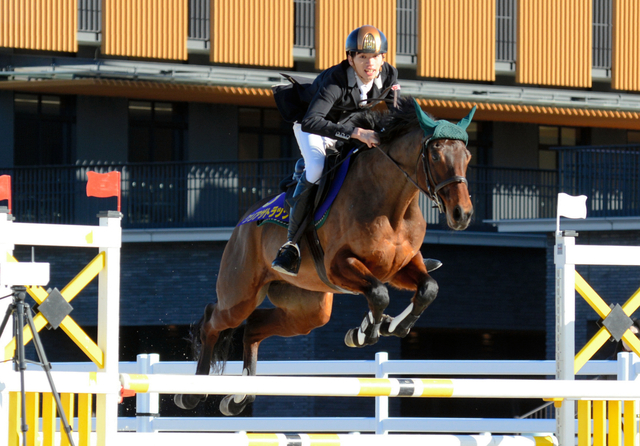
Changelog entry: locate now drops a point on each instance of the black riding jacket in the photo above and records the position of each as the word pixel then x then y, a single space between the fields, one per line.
pixel 326 106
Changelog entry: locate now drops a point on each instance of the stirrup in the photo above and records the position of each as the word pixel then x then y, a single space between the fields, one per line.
pixel 288 259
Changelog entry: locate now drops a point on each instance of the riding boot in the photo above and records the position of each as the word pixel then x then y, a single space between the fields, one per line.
pixel 288 259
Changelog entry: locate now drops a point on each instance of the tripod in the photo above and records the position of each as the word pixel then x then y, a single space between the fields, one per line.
pixel 19 309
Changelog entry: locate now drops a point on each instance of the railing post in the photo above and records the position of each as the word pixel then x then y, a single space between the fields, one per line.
pixel 147 404
pixel 382 402
pixel 565 332
pixel 109 330
pixel 625 366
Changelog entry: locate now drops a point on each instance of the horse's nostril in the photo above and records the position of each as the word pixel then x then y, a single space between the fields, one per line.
pixel 457 213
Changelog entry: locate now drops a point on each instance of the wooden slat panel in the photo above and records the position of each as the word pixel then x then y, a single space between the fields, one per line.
pixel 155 29
pixel 456 39
pixel 625 55
pixel 614 411
pixel 247 32
pixel 334 22
pixel 630 423
pixel 554 42
pixel 49 25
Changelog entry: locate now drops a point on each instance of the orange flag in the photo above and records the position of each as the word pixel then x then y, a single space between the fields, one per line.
pixel 5 189
pixel 103 185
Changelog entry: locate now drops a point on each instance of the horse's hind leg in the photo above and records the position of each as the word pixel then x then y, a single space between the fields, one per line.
pixel 207 340
pixel 299 312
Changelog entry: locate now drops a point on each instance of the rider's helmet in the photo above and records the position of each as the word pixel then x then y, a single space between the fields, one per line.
pixel 366 39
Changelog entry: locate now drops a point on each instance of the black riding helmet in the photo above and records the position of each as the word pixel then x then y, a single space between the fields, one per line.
pixel 366 39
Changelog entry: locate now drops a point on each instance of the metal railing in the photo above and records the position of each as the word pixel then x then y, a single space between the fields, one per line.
pixel 199 19
pixel 90 16
pixel 608 175
pixel 407 27
pixel 601 48
pixel 218 193
pixel 304 23
pixel 506 30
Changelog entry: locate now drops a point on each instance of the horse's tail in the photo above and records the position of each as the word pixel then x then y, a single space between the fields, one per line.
pixel 220 350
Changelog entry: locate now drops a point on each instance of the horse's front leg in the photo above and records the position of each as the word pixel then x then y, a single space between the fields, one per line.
pixel 351 273
pixel 412 276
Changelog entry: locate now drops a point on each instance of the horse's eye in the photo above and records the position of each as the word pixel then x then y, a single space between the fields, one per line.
pixel 435 156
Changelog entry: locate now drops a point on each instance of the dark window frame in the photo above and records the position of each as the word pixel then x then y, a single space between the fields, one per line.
pixel 27 124
pixel 153 125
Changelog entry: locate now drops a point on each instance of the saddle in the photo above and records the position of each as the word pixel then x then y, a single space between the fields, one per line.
pixel 335 156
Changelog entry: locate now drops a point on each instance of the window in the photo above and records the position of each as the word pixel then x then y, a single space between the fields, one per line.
pixel 156 131
pixel 480 136
pixel 44 129
pixel 264 135
pixel 551 136
pixel 633 137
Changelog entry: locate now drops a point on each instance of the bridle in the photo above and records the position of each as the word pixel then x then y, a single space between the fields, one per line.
pixel 432 187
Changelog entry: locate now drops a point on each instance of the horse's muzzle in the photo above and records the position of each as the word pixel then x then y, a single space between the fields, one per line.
pixel 458 219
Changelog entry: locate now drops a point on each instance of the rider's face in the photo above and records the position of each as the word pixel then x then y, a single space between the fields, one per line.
pixel 366 65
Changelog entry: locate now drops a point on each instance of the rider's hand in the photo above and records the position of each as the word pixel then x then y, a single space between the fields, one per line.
pixel 369 137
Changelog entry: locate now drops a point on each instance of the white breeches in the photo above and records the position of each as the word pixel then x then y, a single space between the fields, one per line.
pixel 313 149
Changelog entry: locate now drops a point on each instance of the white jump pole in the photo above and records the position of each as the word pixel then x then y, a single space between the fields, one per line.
pixel 374 387
pixel 243 439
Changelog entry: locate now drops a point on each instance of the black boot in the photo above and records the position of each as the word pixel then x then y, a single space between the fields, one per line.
pixel 288 259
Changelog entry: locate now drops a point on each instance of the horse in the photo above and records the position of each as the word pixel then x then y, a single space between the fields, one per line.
pixel 372 237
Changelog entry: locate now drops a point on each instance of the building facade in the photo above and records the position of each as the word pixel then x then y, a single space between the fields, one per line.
pixel 176 94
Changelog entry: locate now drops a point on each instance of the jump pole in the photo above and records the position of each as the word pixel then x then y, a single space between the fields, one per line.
pixel 262 439
pixel 376 387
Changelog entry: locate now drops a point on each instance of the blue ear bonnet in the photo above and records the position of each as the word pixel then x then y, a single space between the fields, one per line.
pixel 444 129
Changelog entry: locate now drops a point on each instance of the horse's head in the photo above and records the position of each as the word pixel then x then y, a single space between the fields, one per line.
pixel 445 158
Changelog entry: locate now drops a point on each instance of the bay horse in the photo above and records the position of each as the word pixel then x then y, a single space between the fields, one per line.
pixel 371 237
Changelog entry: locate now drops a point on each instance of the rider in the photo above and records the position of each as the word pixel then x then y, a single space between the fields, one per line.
pixel 321 113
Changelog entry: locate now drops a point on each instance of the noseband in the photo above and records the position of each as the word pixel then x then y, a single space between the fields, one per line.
pixel 432 187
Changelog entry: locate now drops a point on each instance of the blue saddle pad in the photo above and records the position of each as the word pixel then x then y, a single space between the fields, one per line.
pixel 276 211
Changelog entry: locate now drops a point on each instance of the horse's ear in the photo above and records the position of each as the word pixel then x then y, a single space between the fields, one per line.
pixel 464 122
pixel 426 123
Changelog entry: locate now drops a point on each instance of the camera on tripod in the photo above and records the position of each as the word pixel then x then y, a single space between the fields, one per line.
pixel 17 276
pixel 24 274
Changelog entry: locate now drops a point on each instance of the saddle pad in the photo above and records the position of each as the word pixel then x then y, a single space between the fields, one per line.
pixel 276 211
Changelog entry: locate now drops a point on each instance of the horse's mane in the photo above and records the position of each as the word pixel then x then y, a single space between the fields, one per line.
pixel 390 124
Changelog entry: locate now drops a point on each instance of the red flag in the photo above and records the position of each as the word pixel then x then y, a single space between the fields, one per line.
pixel 103 185
pixel 5 189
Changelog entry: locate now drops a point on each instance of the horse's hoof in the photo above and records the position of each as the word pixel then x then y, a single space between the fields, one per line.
pixel 401 329
pixel 386 325
pixel 188 402
pixel 229 406
pixel 357 339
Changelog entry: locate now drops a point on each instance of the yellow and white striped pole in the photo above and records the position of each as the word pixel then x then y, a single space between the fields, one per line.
pixel 282 439
pixel 372 387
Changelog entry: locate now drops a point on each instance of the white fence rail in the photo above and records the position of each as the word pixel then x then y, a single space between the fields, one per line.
pixel 147 404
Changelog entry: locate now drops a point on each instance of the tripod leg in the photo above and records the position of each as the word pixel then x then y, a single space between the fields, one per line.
pixel 8 314
pixel 47 369
pixel 21 365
